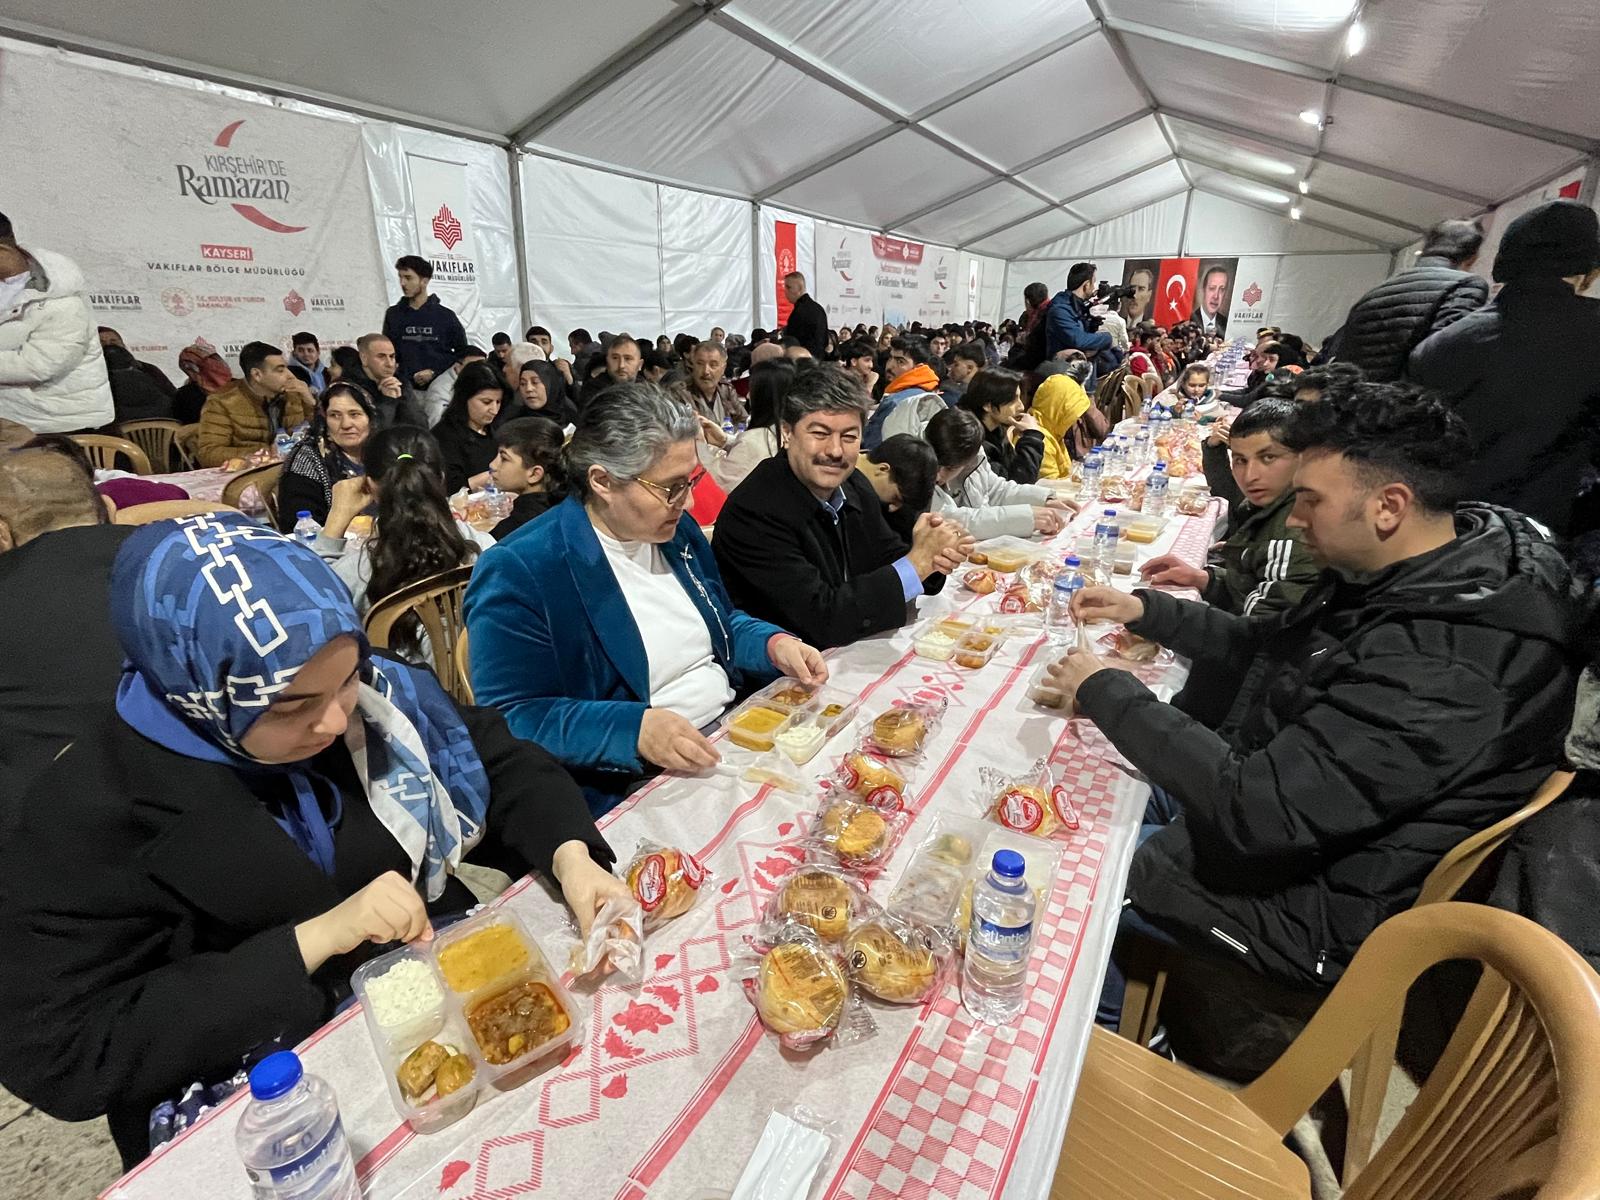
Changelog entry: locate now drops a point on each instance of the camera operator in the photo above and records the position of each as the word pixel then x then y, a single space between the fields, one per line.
pixel 1071 325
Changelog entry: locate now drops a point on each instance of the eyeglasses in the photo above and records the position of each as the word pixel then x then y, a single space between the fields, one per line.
pixel 673 495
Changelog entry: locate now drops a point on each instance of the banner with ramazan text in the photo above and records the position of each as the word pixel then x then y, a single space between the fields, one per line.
pixel 937 280
pixel 846 283
pixel 192 214
pixel 783 262
pixel 442 204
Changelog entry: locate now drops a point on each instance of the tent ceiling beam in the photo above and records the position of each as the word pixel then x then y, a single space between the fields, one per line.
pixel 1055 152
pixel 56 39
pixel 1354 210
pixel 647 45
pixel 1386 247
pixel 1368 87
pixel 1349 164
pixel 1113 217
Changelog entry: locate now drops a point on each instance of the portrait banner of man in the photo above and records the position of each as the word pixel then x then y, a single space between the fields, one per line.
pixel 1141 274
pixel 1214 294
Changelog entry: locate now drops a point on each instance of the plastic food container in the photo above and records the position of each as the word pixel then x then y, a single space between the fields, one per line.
pixel 802 736
pixel 1144 530
pixel 976 649
pixel 1007 554
pixel 393 1043
pixel 754 725
pixel 1045 694
pixel 787 694
pixel 939 644
pixel 513 960
pixel 487 989
pixel 931 885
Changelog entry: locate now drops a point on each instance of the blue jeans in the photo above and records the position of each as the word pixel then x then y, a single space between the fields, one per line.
pixel 1161 811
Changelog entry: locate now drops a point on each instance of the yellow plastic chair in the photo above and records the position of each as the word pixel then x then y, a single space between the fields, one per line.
pixel 104 450
pixel 1512 1110
pixel 155 437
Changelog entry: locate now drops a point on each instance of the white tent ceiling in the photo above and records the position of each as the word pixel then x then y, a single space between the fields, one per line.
pixel 1001 126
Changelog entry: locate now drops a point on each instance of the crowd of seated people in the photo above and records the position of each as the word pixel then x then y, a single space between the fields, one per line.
pixel 1387 641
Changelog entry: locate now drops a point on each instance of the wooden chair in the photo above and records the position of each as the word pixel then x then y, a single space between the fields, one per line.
pixel 187 440
pixel 1511 1110
pixel 104 450
pixel 463 692
pixel 264 480
pixel 1148 964
pixel 166 510
pixel 155 437
pixel 436 603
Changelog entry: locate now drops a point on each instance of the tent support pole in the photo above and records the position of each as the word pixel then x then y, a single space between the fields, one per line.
pixel 755 265
pixel 1183 229
pixel 520 233
pixel 1591 181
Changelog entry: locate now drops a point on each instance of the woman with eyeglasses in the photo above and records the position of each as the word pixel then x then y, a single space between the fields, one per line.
pixel 602 630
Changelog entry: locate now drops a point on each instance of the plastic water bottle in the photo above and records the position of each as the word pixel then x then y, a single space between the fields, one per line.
pixel 1105 543
pixel 1155 492
pixel 1058 625
pixel 305 527
pixel 1141 446
pixel 727 428
pixel 1093 468
pixel 1125 453
pixel 994 972
pixel 739 428
pixel 499 503
pixel 290 1136
pixel 283 444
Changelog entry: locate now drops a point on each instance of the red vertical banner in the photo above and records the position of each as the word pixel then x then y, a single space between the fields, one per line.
pixel 785 255
pixel 1174 298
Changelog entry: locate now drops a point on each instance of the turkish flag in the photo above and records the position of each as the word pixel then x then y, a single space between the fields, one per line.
pixel 785 256
pixel 1174 298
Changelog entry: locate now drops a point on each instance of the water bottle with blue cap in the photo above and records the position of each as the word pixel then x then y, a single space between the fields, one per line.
pixel 290 1136
pixel 999 942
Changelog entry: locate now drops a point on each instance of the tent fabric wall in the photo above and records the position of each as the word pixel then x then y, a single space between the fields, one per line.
pixel 1152 229
pixel 593 246
pixel 1314 293
pixel 706 262
pixel 495 305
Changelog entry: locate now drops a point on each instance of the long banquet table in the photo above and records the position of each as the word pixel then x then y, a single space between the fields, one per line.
pixel 671 1085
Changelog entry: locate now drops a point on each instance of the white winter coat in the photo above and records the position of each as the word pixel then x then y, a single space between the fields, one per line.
pixel 52 373
pixel 989 505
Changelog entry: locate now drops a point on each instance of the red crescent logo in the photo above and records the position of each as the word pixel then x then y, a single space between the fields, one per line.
pixel 249 211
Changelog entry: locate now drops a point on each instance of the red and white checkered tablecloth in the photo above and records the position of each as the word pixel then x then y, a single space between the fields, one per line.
pixel 668 1091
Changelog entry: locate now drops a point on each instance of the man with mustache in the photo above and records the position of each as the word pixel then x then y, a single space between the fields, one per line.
pixel 804 542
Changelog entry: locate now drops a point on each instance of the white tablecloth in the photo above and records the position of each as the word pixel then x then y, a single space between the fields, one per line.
pixel 671 1085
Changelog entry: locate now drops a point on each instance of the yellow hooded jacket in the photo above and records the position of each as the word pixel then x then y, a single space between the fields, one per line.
pixel 1057 406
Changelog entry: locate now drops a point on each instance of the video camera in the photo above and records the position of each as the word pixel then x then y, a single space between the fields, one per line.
pixel 1112 293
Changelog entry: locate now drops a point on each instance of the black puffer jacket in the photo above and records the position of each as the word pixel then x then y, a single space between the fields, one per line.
pixel 1386 323
pixel 1379 724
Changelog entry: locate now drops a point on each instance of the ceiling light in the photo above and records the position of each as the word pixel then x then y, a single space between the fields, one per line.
pixel 1355 41
pixel 1294 213
pixel 1305 188
pixel 1311 117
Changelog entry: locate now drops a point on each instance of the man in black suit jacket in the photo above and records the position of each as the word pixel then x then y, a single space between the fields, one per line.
pixel 804 543
pixel 808 320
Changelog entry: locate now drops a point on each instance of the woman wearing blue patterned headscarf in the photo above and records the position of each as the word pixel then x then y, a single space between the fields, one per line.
pixel 268 804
